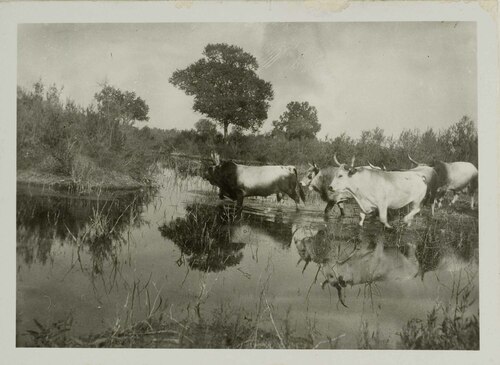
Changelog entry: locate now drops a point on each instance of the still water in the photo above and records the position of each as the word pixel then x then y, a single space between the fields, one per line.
pixel 109 260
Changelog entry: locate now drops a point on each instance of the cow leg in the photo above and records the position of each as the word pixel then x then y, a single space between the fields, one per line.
pixel 280 197
pixel 382 214
pixel 415 209
pixel 433 205
pixel 293 194
pixel 341 207
pixel 455 197
pixel 329 207
pixel 239 203
pixel 362 216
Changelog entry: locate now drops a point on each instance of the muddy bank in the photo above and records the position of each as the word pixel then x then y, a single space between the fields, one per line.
pixel 110 181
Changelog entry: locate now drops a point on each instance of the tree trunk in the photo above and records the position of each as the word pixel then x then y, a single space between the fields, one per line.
pixel 226 125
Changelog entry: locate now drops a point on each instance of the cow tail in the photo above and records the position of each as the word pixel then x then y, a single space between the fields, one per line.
pixel 299 187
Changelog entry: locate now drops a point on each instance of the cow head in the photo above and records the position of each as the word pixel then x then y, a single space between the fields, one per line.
pixel 311 173
pixel 211 172
pixel 301 238
pixel 340 181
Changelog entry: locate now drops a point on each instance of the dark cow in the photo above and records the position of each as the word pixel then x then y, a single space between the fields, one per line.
pixel 453 176
pixel 319 180
pixel 237 181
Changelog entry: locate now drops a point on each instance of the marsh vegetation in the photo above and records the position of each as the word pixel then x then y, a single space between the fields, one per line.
pixel 175 267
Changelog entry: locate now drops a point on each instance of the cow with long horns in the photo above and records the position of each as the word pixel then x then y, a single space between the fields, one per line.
pixel 453 176
pixel 380 190
pixel 237 181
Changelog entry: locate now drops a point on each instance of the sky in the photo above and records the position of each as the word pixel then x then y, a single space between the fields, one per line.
pixel 359 76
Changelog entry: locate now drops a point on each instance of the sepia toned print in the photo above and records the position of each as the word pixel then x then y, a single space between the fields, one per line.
pixel 248 186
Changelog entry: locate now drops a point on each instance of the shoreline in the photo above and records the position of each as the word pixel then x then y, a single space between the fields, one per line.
pixel 112 181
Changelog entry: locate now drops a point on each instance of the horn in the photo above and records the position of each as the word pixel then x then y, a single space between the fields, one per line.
pixel 338 286
pixel 372 166
pixel 348 257
pixel 352 161
pixel 304 269
pixel 384 168
pixel 412 160
pixel 335 159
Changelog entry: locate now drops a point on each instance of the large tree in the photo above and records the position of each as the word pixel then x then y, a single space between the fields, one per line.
pixel 226 87
pixel 124 107
pixel 115 108
pixel 299 121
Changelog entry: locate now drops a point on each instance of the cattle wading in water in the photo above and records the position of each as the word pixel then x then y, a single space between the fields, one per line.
pixel 431 180
pixel 237 181
pixel 375 189
pixel 455 177
pixel 319 180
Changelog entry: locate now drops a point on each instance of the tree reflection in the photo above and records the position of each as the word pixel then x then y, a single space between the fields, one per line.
pixel 95 225
pixel 204 238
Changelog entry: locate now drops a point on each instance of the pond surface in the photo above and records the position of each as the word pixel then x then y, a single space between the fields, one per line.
pixel 110 261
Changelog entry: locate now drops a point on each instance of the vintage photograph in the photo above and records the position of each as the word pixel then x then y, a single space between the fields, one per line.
pixel 257 185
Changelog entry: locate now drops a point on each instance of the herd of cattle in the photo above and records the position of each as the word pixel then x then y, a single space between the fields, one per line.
pixel 372 187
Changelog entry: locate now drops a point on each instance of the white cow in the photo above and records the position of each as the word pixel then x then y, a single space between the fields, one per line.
pixel 375 189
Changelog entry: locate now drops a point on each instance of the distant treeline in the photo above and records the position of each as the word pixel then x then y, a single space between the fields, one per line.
pixel 456 143
pixel 62 138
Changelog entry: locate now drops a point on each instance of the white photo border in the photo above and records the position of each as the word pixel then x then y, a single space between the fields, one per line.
pixel 12 14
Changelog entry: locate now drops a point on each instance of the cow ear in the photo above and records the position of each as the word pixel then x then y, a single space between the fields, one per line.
pixel 352 171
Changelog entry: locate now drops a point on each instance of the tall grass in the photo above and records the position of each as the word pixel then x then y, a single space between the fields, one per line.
pixel 61 138
pixel 447 326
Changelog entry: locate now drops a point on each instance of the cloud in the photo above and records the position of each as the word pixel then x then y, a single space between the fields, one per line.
pixel 358 75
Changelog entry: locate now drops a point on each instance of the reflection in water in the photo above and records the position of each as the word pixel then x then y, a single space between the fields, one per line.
pixel 204 237
pixel 94 224
pixel 123 257
pixel 350 255
pixel 210 238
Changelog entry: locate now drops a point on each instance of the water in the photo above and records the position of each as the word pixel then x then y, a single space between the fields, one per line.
pixel 180 247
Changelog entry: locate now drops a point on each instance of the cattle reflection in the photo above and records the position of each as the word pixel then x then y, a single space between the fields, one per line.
pixel 350 256
pixel 353 257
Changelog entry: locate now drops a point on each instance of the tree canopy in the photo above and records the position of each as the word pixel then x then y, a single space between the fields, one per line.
pixel 226 87
pixel 121 106
pixel 299 121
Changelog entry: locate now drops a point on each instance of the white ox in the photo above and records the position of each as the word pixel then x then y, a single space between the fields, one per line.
pixel 375 189
pixel 455 177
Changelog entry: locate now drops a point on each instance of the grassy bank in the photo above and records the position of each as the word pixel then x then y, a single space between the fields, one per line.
pixel 107 181
pixel 67 146
pixel 444 328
